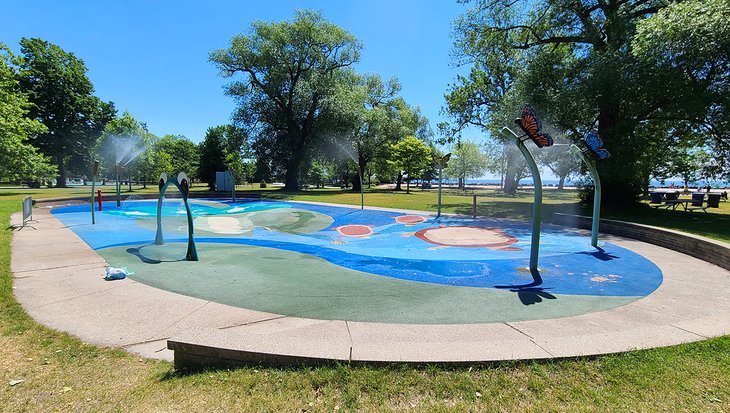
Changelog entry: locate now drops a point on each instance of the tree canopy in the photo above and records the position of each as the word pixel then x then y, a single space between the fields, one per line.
pixel 412 156
pixel 467 161
pixel 582 65
pixel 61 97
pixel 290 71
pixel 18 159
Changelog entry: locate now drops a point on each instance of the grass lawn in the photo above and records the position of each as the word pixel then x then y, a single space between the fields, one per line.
pixel 61 373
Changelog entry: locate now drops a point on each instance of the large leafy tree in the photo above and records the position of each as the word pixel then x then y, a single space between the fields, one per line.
pixel 467 161
pixel 580 68
pixel 412 156
pixel 290 71
pixel 18 159
pixel 563 163
pixel 61 97
pixel 126 143
pixel 688 44
pixel 371 117
pixel 170 154
pixel 214 155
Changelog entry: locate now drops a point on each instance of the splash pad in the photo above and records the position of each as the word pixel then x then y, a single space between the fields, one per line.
pixel 333 262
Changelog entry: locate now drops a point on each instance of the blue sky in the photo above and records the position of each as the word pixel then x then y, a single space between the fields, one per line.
pixel 151 58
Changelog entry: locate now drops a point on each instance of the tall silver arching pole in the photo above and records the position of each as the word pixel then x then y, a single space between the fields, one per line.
pixel 537 203
pixel 596 194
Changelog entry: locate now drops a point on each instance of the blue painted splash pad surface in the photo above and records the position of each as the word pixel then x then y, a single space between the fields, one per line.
pixel 379 242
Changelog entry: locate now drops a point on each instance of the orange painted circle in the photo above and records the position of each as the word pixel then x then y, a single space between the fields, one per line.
pixel 467 237
pixel 354 230
pixel 410 219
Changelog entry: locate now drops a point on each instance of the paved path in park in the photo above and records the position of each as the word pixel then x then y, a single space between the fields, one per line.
pixel 58 280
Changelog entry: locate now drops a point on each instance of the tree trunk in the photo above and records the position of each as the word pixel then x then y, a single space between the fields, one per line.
pixel 461 183
pixel 399 181
pixel 361 164
pixel 408 186
pixel 561 183
pixel 61 183
pixel 292 172
pixel 510 183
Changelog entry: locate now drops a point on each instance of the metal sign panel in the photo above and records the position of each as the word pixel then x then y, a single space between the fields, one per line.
pixel 27 208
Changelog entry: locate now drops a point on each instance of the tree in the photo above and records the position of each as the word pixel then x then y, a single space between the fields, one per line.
pixel 688 163
pixel 125 143
pixel 688 44
pixel 563 163
pixel 291 70
pixel 18 159
pixel 62 99
pixel 183 154
pixel 213 154
pixel 467 161
pixel 581 70
pixel 371 117
pixel 317 173
pixel 412 156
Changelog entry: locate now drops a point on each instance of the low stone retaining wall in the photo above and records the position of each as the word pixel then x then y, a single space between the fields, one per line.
pixel 714 252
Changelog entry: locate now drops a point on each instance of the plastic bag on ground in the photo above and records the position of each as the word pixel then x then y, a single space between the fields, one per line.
pixel 114 273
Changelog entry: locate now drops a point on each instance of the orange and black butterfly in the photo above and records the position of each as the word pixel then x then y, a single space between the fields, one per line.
pixel 531 125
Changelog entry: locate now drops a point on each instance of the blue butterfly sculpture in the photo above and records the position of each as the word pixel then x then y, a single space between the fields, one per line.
pixel 594 144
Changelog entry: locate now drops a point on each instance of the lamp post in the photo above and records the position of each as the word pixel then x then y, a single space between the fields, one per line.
pixel 441 162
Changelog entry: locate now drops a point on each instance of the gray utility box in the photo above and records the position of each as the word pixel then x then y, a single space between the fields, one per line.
pixel 223 181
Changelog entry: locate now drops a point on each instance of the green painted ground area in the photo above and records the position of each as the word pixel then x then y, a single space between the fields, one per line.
pixel 295 284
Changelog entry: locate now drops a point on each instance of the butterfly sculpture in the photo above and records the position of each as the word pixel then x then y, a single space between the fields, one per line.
pixel 531 125
pixel 594 144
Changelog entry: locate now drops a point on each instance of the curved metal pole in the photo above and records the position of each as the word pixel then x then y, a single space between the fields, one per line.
pixel 159 240
pixel 192 252
pixel 537 202
pixel 438 211
pixel 596 195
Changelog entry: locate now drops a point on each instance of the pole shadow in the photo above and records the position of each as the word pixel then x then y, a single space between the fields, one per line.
pixel 601 254
pixel 530 293
pixel 138 252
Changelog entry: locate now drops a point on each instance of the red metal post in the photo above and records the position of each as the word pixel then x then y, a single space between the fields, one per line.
pixel 98 193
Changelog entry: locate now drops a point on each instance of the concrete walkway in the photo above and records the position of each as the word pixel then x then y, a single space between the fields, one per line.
pixel 58 280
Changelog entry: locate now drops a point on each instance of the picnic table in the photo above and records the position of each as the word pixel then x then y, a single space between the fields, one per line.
pixel 675 203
